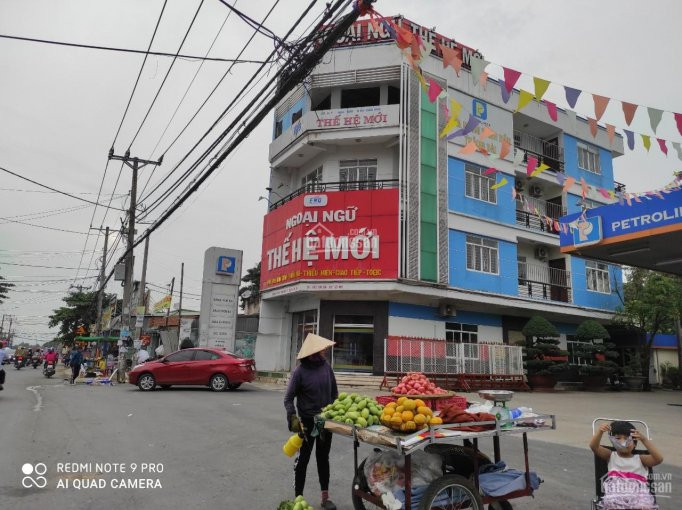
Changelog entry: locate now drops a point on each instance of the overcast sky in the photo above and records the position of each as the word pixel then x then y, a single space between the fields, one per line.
pixel 60 108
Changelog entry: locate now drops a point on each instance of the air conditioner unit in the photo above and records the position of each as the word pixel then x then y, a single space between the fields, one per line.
pixel 518 185
pixel 535 191
pixel 541 253
pixel 446 310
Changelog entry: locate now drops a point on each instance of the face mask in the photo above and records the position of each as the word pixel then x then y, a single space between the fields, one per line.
pixel 620 445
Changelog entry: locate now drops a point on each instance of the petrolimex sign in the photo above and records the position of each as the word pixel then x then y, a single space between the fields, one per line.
pixel 588 232
pixel 341 235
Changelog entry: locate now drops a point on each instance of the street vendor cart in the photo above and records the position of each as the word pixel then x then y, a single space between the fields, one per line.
pixel 458 486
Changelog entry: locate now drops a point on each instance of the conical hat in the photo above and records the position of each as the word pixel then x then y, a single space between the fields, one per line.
pixel 312 344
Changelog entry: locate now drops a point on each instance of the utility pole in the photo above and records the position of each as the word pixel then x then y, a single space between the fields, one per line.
pixel 143 282
pixel 2 324
pixel 9 332
pixel 135 164
pixel 100 294
pixel 171 295
pixel 182 277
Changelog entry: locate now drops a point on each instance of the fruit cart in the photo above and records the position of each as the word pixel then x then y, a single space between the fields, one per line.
pixel 458 487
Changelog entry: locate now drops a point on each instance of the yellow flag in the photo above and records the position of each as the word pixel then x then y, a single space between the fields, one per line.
pixel 646 140
pixel 163 304
pixel 541 87
pixel 525 97
pixel 453 122
pixel 539 169
pixel 499 184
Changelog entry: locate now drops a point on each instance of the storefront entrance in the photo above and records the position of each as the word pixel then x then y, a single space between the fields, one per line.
pixel 354 337
pixel 302 323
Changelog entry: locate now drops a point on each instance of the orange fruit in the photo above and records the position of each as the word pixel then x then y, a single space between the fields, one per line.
pixel 420 419
pixel 399 409
pixel 420 403
pixel 396 420
pixel 407 415
pixel 436 420
pixel 385 419
pixel 410 404
pixel 425 411
pixel 410 426
pixel 392 405
pixel 401 400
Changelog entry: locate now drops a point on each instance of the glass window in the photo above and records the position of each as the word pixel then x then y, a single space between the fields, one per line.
pixel 597 275
pixel 479 186
pixel 185 355
pixel 324 104
pixel 393 95
pixel 205 356
pixel 588 158
pixel 354 98
pixel 296 115
pixel 357 174
pixel 482 255
pixel 278 128
pixel 313 177
pixel 458 333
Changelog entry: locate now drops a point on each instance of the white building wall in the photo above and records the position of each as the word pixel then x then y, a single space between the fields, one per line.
pixel 272 344
pixel 404 326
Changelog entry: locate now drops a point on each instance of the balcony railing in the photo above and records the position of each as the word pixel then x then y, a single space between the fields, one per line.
pixel 531 220
pixel 544 282
pixel 322 187
pixel 545 152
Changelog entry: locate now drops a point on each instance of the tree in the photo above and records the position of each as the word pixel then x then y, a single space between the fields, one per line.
pixel 252 279
pixel 542 353
pixel 4 288
pixel 80 311
pixel 599 356
pixel 651 303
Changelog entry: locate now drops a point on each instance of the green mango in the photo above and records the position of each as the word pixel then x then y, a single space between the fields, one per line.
pixel 353 408
pixel 365 413
pixel 342 396
pixel 362 404
pixel 361 422
pixel 353 415
pixel 349 421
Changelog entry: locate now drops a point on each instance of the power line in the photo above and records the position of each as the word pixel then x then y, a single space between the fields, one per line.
pixel 4 263
pixel 40 191
pixel 53 189
pixel 232 103
pixel 292 78
pixel 50 212
pixel 170 68
pixel 8 220
pixel 129 50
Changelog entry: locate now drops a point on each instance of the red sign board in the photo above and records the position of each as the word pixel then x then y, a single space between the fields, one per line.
pixel 364 32
pixel 340 235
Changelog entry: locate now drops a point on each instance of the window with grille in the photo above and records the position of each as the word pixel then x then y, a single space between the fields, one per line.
pixel 588 158
pixel 296 115
pixel 278 128
pixel 312 178
pixel 357 174
pixel 482 255
pixel 479 186
pixel 597 275
pixel 458 333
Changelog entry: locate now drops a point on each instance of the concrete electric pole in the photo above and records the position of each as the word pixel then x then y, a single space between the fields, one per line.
pixel 135 164
pixel 182 277
pixel 141 293
pixel 100 295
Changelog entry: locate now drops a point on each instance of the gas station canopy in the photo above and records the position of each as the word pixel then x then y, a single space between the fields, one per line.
pixel 647 233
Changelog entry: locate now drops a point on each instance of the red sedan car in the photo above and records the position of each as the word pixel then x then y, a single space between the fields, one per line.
pixel 200 366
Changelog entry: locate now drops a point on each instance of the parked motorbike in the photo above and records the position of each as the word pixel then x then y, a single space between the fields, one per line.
pixel 49 369
pixel 36 362
pixel 19 362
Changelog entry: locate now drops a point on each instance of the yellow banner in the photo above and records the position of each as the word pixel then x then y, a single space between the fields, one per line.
pixel 163 304
pixel 106 317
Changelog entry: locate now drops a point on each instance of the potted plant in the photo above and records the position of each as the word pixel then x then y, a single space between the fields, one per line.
pixel 542 357
pixel 597 353
pixel 634 379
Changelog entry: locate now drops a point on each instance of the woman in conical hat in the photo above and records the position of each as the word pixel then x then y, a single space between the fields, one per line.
pixel 313 386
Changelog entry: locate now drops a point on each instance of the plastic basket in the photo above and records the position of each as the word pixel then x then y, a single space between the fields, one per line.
pixel 385 399
pixel 457 400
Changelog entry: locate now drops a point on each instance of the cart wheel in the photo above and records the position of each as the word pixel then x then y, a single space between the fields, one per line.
pixel 500 505
pixel 451 492
pixel 358 502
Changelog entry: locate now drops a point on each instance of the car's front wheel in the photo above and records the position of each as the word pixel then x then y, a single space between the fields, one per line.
pixel 146 382
pixel 218 382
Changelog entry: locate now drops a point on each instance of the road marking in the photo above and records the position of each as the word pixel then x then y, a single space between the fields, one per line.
pixel 39 397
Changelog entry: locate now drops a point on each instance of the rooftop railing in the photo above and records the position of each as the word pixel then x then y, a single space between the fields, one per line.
pixel 549 153
pixel 322 187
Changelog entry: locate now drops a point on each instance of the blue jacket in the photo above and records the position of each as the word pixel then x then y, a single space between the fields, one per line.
pixel 76 358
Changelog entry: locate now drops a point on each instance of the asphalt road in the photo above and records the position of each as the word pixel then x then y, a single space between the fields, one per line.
pixel 216 450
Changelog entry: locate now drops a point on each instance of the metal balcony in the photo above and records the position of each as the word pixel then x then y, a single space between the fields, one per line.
pixel 323 187
pixel 549 153
pixel 543 282
pixel 531 221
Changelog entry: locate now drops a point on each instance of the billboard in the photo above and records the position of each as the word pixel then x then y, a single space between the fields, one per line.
pixel 341 235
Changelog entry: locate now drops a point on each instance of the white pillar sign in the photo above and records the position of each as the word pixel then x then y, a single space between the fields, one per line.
pixel 219 297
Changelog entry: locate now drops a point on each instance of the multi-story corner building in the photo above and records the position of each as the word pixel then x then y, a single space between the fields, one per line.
pixel 378 226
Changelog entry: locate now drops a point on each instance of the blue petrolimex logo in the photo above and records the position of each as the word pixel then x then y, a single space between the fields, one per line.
pixel 480 109
pixel 226 265
pixel 588 231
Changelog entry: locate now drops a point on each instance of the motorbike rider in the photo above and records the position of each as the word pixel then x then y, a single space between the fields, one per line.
pixel 50 357
pixel 3 355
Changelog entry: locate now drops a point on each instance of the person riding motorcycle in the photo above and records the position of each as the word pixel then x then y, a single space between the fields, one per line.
pixel 50 357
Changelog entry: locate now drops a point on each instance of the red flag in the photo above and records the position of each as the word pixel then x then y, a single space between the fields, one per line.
pixel 510 78
pixel 600 104
pixel 611 131
pixel 531 165
pixel 678 120
pixel 551 110
pixel 593 126
pixel 629 110
pixel 662 145
pixel 504 148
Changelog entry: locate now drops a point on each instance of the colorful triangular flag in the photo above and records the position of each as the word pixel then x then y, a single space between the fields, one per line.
pixel 504 92
pixel 525 97
pixel 600 104
pixel 631 139
pixel 478 65
pixel 655 118
pixel 504 148
pixel 502 182
pixel 678 121
pixel 646 140
pixel 629 110
pixel 434 90
pixel 593 126
pixel 572 96
pixel 486 133
pixel 611 131
pixel 541 87
pixel 551 110
pixel 662 145
pixel 469 148
pixel 531 165
pixel 510 78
